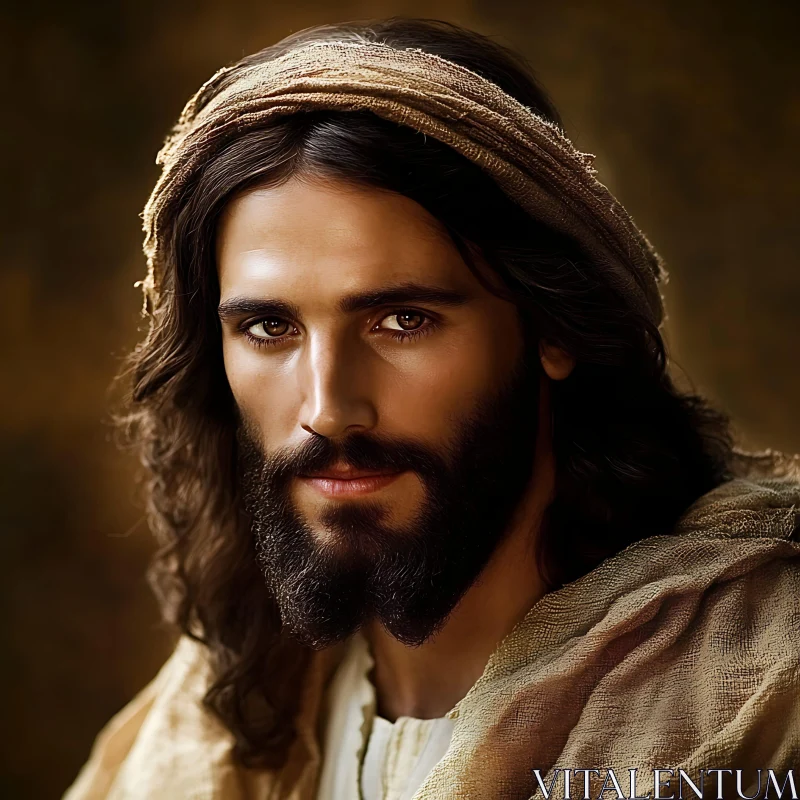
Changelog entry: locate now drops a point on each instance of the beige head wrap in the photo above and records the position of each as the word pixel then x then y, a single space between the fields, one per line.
pixel 529 158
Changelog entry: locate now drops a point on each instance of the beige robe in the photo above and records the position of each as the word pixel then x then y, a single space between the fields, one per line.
pixel 680 652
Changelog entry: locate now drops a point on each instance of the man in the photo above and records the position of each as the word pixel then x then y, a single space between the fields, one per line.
pixel 435 521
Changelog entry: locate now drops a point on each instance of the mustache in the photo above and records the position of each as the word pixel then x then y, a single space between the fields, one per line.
pixel 361 450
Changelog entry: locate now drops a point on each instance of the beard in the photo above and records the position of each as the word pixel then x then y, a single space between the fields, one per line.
pixel 407 577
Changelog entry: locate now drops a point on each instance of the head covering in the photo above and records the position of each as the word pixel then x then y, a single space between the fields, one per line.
pixel 529 157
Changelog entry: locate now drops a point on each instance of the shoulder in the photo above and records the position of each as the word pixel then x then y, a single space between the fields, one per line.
pixel 164 743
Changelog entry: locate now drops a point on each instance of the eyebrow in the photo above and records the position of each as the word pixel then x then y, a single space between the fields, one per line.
pixel 391 295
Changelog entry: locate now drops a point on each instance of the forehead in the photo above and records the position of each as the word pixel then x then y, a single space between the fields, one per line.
pixel 325 239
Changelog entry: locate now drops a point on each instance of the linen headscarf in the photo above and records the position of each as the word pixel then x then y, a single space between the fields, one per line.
pixel 529 157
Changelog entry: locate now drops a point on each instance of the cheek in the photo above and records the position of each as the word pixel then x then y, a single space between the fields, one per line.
pixel 439 388
pixel 264 395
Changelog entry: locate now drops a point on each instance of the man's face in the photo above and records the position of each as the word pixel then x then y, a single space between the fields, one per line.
pixel 388 419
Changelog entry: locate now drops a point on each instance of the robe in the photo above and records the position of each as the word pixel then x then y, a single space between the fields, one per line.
pixel 681 652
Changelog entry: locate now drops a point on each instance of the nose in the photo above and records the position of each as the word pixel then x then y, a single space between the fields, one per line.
pixel 334 387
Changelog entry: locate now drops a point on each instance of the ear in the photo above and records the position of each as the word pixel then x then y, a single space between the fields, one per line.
pixel 557 363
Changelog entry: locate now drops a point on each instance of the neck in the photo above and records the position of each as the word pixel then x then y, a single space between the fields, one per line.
pixel 427 681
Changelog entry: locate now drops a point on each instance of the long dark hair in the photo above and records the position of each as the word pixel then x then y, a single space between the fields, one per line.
pixel 631 451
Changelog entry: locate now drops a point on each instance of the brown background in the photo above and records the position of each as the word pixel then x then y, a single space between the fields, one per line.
pixel 691 108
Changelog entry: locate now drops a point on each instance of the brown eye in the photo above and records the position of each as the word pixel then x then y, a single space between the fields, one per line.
pixel 404 321
pixel 271 327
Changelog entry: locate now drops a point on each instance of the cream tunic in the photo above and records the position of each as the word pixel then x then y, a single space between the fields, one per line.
pixel 364 755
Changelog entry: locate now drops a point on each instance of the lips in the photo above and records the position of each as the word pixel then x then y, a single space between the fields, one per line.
pixel 345 481
pixel 348 473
